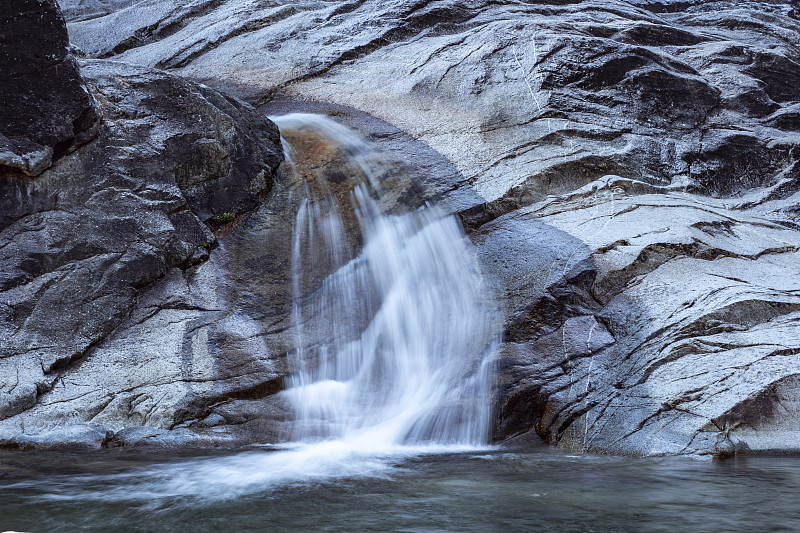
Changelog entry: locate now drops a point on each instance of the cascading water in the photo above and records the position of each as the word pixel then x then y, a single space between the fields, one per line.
pixel 394 330
pixel 395 344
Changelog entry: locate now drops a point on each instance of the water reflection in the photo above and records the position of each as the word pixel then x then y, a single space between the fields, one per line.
pixel 484 491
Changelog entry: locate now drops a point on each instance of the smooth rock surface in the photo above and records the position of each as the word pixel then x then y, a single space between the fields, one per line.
pixel 547 95
pixel 627 171
pixel 678 337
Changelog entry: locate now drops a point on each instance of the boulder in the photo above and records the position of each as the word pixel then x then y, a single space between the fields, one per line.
pixel 46 108
pixel 114 288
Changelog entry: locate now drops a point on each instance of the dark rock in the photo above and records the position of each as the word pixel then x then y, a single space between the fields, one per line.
pixel 102 258
pixel 46 108
pixel 142 436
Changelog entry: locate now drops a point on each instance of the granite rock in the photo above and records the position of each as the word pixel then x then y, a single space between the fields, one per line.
pixel 46 108
pixel 626 169
pixel 114 292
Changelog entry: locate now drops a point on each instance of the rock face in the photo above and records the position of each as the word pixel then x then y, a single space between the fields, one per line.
pixel 627 170
pixel 665 322
pixel 46 108
pixel 111 312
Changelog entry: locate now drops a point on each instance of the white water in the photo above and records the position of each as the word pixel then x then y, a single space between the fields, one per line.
pixel 395 346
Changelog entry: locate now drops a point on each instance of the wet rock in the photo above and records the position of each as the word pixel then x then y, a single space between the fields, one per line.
pixel 633 190
pixel 46 108
pixel 114 288
pixel 65 437
pixel 142 436
pixel 245 421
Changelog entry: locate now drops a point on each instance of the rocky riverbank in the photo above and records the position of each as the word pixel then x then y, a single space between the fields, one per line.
pixel 626 169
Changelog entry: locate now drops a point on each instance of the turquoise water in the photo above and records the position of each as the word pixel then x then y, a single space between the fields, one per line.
pixel 493 490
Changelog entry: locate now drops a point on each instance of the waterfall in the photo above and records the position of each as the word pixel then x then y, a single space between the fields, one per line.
pixel 394 333
pixel 393 325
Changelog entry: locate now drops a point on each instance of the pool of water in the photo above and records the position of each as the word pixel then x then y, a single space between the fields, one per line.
pixel 490 490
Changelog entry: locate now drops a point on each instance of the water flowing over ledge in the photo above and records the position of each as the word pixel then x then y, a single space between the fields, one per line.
pixel 395 333
pixel 643 242
pixel 395 346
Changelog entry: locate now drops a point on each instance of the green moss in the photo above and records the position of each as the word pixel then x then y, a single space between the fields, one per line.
pixel 224 218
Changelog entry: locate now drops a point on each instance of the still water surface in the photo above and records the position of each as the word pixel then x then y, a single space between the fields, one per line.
pixel 492 490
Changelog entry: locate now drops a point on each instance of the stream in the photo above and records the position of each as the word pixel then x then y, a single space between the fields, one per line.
pixel 490 490
pixel 395 333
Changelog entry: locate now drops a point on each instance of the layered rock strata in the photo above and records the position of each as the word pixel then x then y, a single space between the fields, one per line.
pixel 627 170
